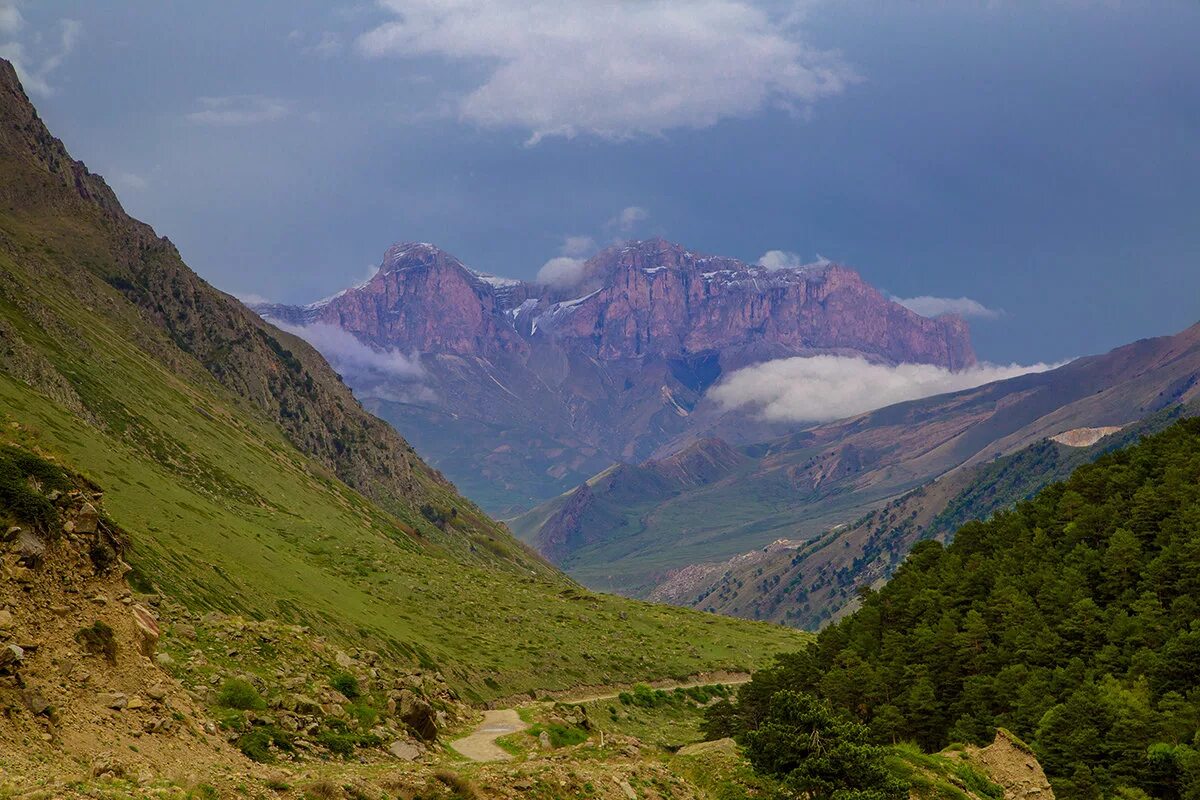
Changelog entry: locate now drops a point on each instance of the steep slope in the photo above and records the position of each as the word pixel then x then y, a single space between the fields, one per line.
pixel 806 584
pixel 798 487
pixel 523 390
pixel 1070 621
pixel 251 481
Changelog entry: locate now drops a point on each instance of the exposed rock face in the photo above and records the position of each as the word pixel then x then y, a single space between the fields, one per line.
pixel 526 389
pixel 1012 764
pixel 566 531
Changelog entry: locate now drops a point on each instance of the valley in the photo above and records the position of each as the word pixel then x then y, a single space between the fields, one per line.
pixel 601 483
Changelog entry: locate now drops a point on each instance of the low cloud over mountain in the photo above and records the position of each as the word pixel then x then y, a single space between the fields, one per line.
pixel 823 388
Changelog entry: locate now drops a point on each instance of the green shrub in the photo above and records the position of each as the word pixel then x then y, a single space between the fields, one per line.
pixel 257 743
pixel 337 738
pixel 347 684
pixel 18 496
pixel 98 639
pixel 239 694
pixel 560 735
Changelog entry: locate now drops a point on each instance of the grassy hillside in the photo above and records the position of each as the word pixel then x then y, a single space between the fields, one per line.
pixel 251 481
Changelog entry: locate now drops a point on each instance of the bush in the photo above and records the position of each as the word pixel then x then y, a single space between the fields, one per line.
pixel 239 694
pixel 347 684
pixel 560 735
pixel 338 739
pixel 256 744
pixel 816 753
pixel 17 495
pixel 643 696
pixel 98 639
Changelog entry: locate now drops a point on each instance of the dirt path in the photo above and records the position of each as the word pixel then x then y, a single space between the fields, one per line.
pixel 481 745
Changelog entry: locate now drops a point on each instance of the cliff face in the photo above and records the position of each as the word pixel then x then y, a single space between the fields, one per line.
pixel 526 389
pixel 659 298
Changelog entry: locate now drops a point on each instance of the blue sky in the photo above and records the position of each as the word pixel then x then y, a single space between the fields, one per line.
pixel 1041 159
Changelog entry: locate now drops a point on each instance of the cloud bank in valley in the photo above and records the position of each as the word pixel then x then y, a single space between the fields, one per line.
pixel 824 388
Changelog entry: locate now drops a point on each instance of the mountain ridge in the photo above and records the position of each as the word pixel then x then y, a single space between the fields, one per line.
pixel 550 384
pixel 800 486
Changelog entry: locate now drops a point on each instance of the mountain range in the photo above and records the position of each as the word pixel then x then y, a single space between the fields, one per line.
pixel 817 499
pixel 519 390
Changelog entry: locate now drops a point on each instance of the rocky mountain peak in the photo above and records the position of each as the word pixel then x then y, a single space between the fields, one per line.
pixel 403 255
pixel 571 378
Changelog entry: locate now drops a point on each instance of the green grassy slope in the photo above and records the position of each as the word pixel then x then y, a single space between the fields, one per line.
pixel 229 450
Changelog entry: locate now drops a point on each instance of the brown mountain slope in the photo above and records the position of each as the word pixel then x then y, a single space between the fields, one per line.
pixel 798 487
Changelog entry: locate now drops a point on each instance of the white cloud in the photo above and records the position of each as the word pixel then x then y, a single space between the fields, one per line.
pixel 928 306
pixel 353 358
pixel 561 272
pixel 614 68
pixel 10 18
pixel 779 259
pixel 786 259
pixel 239 110
pixel 252 299
pixel 823 388
pixel 129 181
pixel 628 218
pixel 35 74
pixel 576 246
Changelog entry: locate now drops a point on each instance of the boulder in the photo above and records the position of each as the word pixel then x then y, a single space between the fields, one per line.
pixel 87 519
pixel 11 657
pixel 147 629
pixel 405 751
pixel 6 619
pixel 106 765
pixel 35 701
pixel 301 704
pixel 416 712
pixel 113 700
pixel 30 549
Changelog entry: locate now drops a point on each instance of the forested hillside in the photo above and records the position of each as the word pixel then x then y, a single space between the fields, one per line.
pixel 1072 620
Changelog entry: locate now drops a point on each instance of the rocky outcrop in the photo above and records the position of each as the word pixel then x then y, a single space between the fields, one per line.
pixel 525 390
pixel 565 532
pixel 1012 764
pixel 656 297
